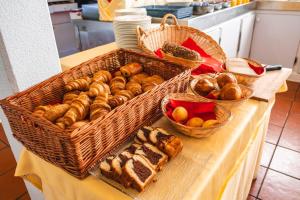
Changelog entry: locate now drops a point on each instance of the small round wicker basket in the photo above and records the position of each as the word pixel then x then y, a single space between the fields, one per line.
pixel 153 39
pixel 223 116
pixel 247 94
pixel 248 80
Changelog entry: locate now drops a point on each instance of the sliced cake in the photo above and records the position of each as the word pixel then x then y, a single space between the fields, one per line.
pixel 138 173
pixel 155 158
pixel 143 134
pixel 133 147
pixel 118 162
pixel 169 144
pixel 106 168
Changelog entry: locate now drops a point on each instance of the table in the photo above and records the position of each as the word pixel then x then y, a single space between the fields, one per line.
pixel 222 165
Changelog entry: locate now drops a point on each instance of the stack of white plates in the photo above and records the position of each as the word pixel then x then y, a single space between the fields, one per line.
pixel 125 29
pixel 131 11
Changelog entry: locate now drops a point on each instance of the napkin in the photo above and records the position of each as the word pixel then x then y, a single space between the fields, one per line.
pixel 209 65
pixel 204 110
pixel 256 69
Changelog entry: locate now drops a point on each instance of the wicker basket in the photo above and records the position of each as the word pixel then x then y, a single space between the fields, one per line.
pixel 223 116
pixel 150 41
pixel 248 80
pixel 76 151
pixel 247 94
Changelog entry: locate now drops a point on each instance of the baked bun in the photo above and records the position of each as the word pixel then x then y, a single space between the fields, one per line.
pixel 225 78
pixel 231 91
pixel 205 86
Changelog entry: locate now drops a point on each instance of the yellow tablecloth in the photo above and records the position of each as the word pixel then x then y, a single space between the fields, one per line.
pixel 235 150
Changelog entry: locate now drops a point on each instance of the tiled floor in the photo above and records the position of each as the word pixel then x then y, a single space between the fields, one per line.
pixel 279 174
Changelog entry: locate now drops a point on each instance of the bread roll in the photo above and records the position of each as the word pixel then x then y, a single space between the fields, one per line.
pixel 225 78
pixel 231 91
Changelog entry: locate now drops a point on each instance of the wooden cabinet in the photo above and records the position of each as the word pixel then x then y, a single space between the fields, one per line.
pixel 276 37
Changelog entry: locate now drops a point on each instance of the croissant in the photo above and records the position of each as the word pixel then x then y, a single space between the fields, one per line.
pixel 116 100
pixel 78 84
pixel 117 73
pixel 103 76
pixel 117 83
pixel 131 69
pixel 98 88
pixel 40 110
pixel 151 82
pixel 126 93
pixel 69 96
pixel 60 122
pixel 78 109
pixel 134 87
pixel 56 112
pixel 139 78
pixel 78 124
pixel 99 107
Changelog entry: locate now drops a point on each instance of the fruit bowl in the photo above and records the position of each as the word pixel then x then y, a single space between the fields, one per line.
pixel 222 115
pixel 247 94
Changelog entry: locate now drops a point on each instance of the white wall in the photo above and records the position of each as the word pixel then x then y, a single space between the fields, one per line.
pixel 28 54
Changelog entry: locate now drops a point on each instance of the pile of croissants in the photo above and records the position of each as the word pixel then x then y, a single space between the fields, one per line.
pixel 222 87
pixel 89 98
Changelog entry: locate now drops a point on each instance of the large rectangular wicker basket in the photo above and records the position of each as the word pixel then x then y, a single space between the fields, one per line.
pixel 76 151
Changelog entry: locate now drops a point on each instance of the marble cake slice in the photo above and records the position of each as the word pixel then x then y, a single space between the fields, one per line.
pixel 106 167
pixel 155 158
pixel 167 143
pixel 143 134
pixel 138 173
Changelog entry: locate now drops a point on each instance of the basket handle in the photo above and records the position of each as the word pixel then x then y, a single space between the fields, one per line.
pixel 140 32
pixel 164 19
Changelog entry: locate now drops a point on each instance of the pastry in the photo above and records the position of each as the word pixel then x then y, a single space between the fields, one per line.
pixel 134 87
pixel 98 88
pixel 78 109
pixel 139 78
pixel 60 123
pixel 56 112
pixel 78 124
pixel 131 69
pixel 225 78
pixel 231 91
pixel 151 82
pixel 100 107
pixel 137 173
pixel 40 110
pixel 117 83
pixel 180 51
pixel 205 86
pixel 169 144
pixel 78 84
pixel 155 158
pixel 69 96
pixel 102 76
pixel 117 73
pixel 116 100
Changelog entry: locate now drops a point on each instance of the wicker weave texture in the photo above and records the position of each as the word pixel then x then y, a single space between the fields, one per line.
pixel 151 40
pixel 76 151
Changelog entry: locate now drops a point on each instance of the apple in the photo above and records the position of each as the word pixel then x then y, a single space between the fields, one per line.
pixel 180 114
